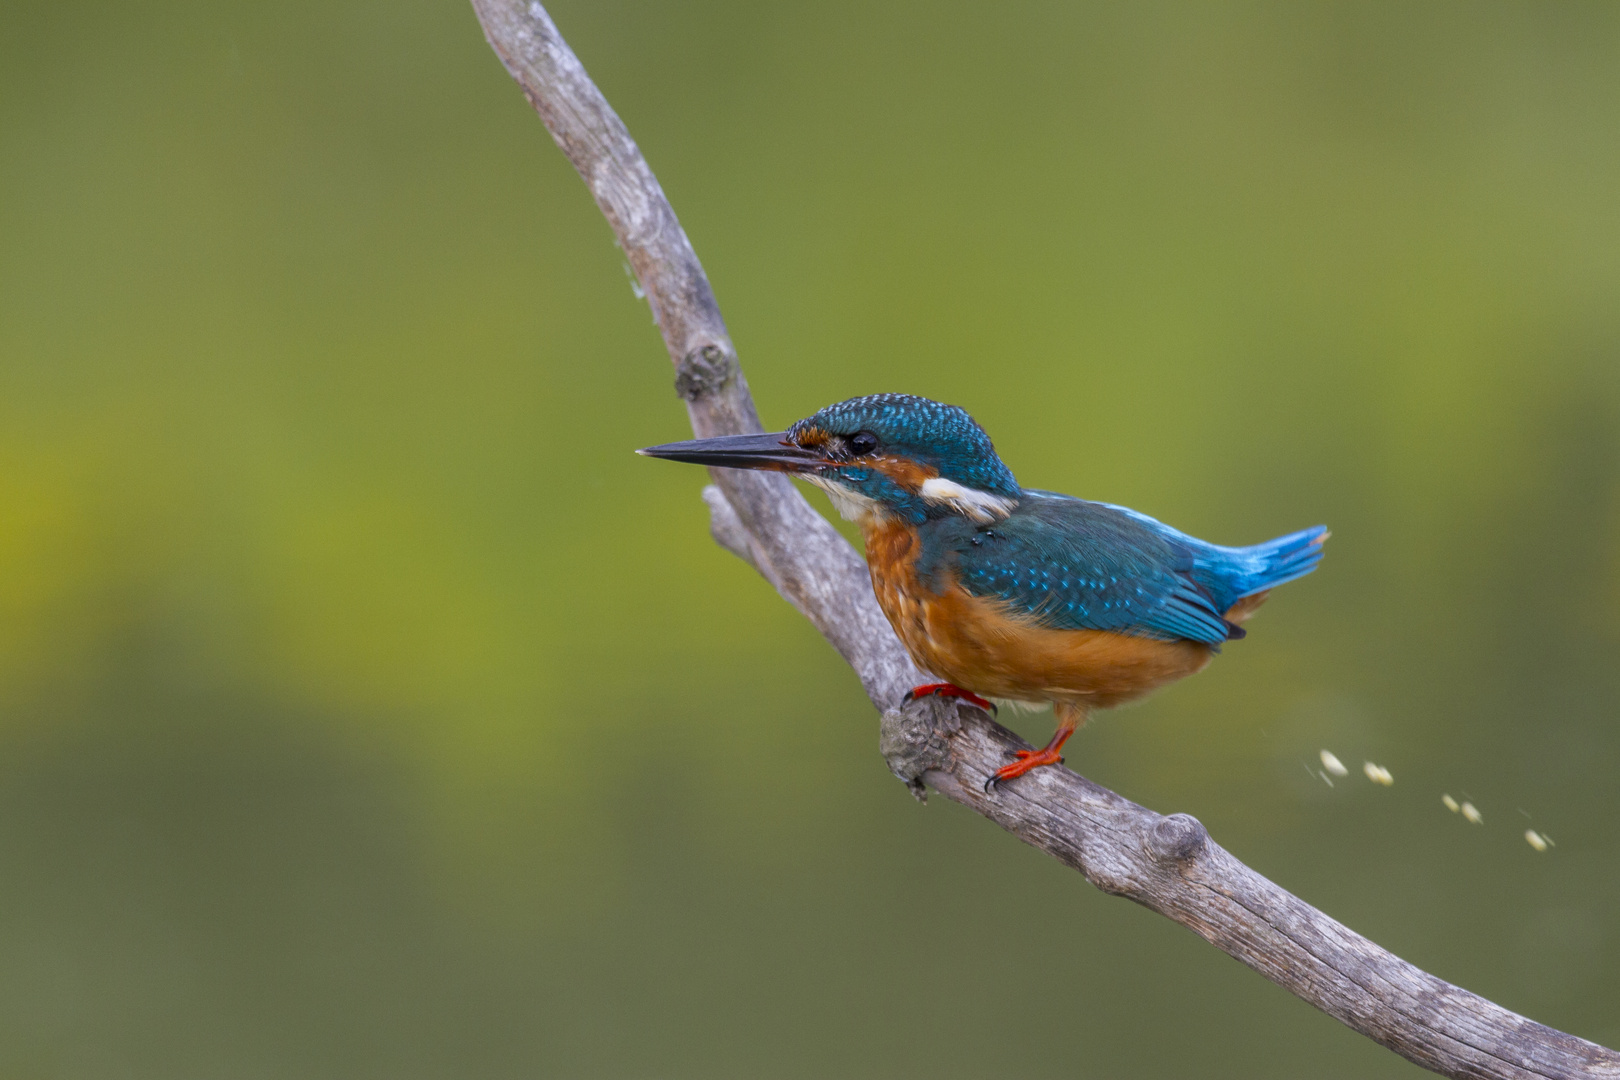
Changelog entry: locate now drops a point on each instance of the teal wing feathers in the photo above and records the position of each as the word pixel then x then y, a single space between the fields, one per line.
pixel 1076 565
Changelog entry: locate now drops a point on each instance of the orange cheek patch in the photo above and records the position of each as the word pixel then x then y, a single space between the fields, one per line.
pixel 903 471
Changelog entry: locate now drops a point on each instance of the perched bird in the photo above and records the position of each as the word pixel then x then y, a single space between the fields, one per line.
pixel 1009 592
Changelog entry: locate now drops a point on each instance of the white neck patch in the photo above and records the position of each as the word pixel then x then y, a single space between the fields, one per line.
pixel 981 506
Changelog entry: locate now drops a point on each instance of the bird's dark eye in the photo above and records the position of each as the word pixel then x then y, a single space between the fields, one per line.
pixel 862 442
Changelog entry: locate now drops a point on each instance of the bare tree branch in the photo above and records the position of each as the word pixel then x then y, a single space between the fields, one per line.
pixel 1169 864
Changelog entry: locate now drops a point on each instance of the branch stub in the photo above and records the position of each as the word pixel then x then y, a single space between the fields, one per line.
pixel 704 370
pixel 1176 838
pixel 916 738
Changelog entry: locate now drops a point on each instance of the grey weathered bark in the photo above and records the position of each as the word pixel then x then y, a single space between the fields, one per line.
pixel 1169 864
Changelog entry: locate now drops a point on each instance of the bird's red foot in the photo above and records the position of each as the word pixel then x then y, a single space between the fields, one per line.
pixel 945 689
pixel 1027 760
pixel 1032 759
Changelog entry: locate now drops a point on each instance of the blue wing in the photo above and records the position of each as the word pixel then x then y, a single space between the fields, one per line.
pixel 1074 564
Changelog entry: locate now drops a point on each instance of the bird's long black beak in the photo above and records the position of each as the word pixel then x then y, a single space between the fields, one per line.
pixel 770 451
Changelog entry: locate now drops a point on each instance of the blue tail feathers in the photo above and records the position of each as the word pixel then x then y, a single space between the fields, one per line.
pixel 1265 566
pixel 1228 574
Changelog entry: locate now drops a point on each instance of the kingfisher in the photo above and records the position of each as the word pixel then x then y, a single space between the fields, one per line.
pixel 1013 593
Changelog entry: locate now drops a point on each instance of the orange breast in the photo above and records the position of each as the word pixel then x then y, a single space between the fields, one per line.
pixel 979 645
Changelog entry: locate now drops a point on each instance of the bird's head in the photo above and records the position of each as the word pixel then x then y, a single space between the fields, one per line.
pixel 885 455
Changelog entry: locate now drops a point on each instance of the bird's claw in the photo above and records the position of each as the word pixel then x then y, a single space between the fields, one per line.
pixel 1026 761
pixel 945 689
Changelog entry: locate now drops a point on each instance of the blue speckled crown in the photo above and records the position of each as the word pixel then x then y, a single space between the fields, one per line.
pixel 930 432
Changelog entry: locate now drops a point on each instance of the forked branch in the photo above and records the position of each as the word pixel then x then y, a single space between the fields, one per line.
pixel 1169 864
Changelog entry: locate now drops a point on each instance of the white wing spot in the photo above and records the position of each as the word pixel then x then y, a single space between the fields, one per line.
pixel 982 506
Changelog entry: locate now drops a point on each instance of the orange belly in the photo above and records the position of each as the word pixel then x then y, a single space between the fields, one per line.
pixel 979 645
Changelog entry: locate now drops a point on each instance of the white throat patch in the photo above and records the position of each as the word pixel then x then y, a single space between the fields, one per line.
pixel 851 505
pixel 982 506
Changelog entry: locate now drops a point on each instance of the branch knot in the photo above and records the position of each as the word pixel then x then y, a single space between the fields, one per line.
pixel 704 370
pixel 916 737
pixel 1176 838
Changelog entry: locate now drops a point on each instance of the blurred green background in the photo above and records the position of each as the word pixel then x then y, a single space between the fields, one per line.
pixel 368 710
